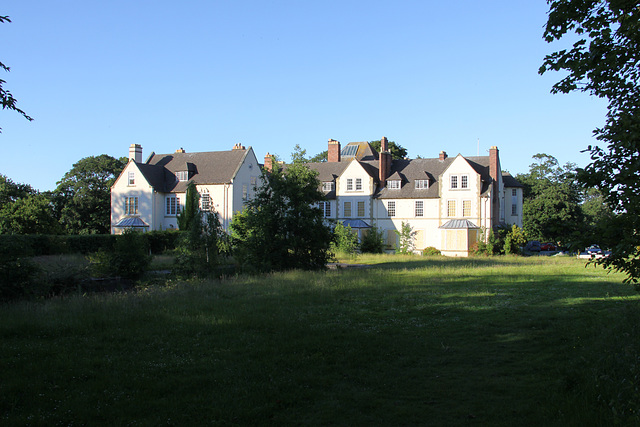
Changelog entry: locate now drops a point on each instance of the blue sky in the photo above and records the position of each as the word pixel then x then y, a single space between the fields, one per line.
pixel 98 76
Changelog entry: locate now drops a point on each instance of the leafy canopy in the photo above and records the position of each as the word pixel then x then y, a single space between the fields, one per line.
pixel 605 62
pixel 282 228
pixel 83 195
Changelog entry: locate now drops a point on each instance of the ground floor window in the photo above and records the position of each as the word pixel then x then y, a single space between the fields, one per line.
pixel 173 205
pixel 347 209
pixel 360 208
pixel 325 207
pixel 451 208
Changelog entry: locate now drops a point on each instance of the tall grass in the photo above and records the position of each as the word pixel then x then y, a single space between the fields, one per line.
pixel 407 341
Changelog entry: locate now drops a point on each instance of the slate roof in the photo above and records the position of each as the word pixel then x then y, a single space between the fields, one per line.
pixel 355 223
pixel 212 167
pixel 510 181
pixel 131 221
pixel 359 151
pixel 458 224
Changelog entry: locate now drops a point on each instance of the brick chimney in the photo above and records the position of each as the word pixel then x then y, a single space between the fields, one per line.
pixel 443 155
pixel 494 173
pixel 333 151
pixel 238 146
pixel 180 150
pixel 384 144
pixel 135 153
pixel 384 162
pixel 268 162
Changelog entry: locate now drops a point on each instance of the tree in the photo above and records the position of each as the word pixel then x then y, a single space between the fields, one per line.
pixel 345 240
pixel 281 228
pixel 407 237
pixel 29 215
pixel 189 215
pixel 25 211
pixel 199 249
pixel 551 210
pixel 604 62
pixel 8 101
pixel 398 152
pixel 83 197
pixel 372 241
pixel 321 157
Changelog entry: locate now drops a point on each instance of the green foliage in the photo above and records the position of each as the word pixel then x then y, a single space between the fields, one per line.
pixel 29 215
pixel 407 237
pixel 41 244
pixel 345 240
pixel 161 241
pixel 372 241
pixel 514 240
pixel 282 228
pixel 431 251
pixel 6 98
pixel 199 249
pixel 17 272
pixel 82 199
pixel 189 214
pixel 551 210
pixel 129 258
pixel 398 152
pixel 320 157
pixel 604 62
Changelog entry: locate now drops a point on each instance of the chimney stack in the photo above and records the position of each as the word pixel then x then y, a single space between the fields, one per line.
pixel 268 162
pixel 135 153
pixel 238 146
pixel 333 151
pixel 180 150
pixel 384 144
pixel 443 155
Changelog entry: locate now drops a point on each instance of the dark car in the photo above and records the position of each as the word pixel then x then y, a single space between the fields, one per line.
pixel 533 246
pixel 548 247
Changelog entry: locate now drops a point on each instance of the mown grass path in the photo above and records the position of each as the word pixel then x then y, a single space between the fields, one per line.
pixel 408 341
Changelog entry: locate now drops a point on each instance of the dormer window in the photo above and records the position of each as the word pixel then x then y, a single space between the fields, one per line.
pixel 182 175
pixel 422 184
pixel 393 184
pixel 327 186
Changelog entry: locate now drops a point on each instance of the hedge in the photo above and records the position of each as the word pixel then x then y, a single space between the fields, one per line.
pixel 28 245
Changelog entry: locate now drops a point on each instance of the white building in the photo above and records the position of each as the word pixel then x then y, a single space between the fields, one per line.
pixel 447 201
pixel 149 195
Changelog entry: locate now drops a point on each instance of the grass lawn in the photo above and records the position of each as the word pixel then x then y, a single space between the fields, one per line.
pixel 407 341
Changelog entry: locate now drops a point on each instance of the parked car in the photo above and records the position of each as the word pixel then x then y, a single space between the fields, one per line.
pixel 594 250
pixel 533 246
pixel 548 247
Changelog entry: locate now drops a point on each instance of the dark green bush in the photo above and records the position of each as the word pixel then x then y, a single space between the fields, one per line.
pixel 372 241
pixel 163 241
pixel 129 258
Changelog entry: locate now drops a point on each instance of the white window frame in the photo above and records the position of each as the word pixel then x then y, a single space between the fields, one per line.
pixel 466 208
pixel 349 184
pixel 391 208
pixel 393 184
pixel 327 186
pixel 132 178
pixel 245 192
pixel 182 175
pixel 205 200
pixel 464 182
pixel 419 208
pixel 422 184
pixel 454 182
pixel 361 209
pixel 514 209
pixel 131 205
pixel 172 205
pixel 358 184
